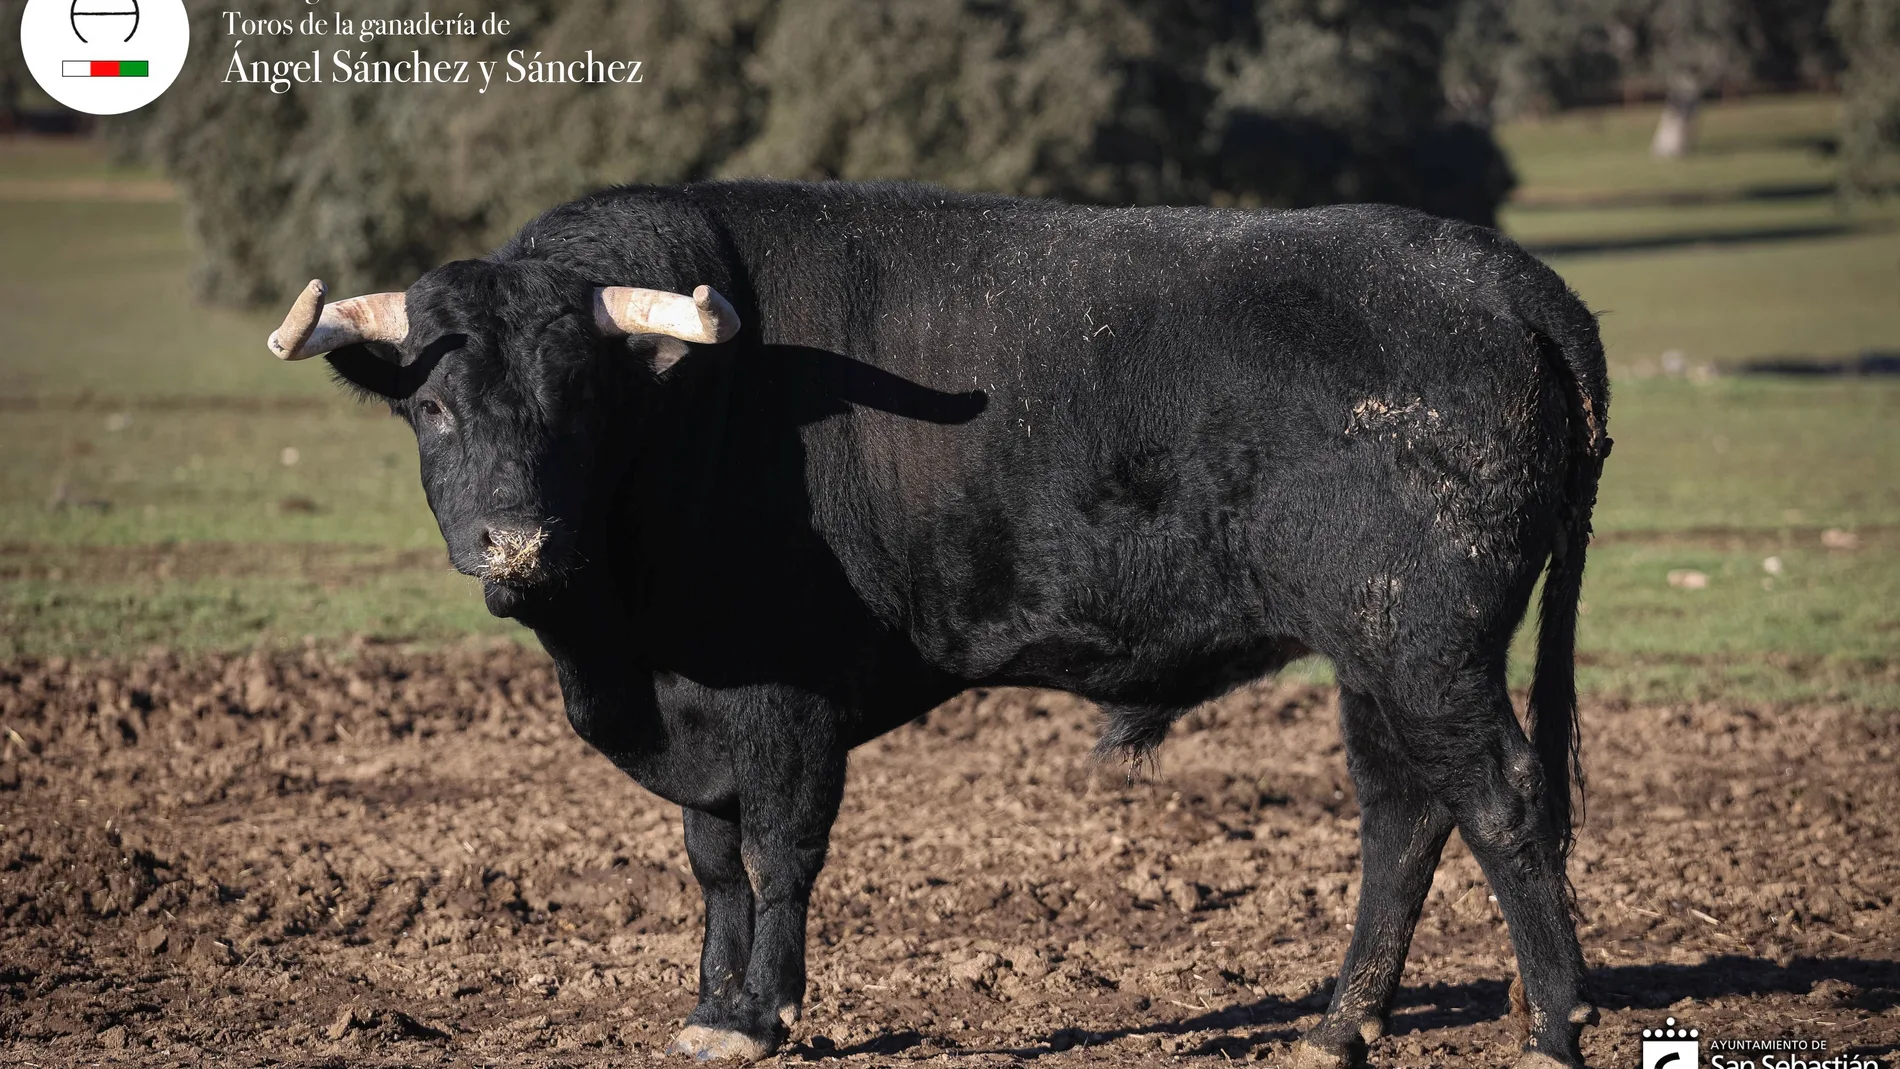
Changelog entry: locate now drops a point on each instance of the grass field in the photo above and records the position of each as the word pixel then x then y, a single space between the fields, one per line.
pixel 165 482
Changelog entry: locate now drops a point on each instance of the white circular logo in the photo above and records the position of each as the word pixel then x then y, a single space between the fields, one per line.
pixel 104 57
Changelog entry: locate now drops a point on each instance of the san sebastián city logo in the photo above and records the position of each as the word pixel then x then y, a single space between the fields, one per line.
pixel 1670 1047
pixel 1676 1046
pixel 104 57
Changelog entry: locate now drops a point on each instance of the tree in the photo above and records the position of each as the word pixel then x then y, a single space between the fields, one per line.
pixel 1869 31
pixel 13 72
pixel 1694 46
pixel 1793 45
pixel 369 185
pixel 993 97
pixel 1286 102
pixel 1337 101
pixel 1508 58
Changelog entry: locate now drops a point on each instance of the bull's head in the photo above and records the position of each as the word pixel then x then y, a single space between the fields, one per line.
pixel 508 376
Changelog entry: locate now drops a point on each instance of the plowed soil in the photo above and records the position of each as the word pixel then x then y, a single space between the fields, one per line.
pixel 371 856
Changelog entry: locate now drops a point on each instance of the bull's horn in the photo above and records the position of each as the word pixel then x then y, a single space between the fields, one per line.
pixel 313 327
pixel 705 317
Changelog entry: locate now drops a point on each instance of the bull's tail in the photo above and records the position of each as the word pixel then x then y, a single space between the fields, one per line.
pixel 1567 334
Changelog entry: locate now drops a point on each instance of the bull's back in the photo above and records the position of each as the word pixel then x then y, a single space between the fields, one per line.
pixel 1170 400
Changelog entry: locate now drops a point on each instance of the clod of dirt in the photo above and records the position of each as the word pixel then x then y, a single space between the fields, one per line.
pixel 387 1025
pixel 153 941
pixel 349 1017
pixel 1184 895
pixel 1833 993
pixel 977 970
pixel 541 985
pixel 1688 579
pixel 211 952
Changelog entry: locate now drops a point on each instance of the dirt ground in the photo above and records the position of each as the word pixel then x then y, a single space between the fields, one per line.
pixel 368 856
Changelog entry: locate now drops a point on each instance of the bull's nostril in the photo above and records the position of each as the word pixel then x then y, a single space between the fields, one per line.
pixel 488 538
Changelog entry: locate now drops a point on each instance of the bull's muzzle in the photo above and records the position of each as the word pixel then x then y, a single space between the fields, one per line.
pixel 512 555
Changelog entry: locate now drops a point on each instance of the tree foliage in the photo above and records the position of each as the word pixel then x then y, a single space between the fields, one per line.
pixel 370 185
pixel 13 75
pixel 1870 30
pixel 1275 102
pixel 1507 58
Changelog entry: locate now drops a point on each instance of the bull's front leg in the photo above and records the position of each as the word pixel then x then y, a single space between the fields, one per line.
pixel 790 776
pixel 712 844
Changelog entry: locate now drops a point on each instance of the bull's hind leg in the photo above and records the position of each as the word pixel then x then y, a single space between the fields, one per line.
pixel 1402 829
pixel 1470 751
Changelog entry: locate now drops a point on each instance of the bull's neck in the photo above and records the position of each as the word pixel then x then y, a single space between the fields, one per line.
pixel 607 691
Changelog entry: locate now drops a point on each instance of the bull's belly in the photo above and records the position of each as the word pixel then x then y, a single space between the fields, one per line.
pixel 1151 674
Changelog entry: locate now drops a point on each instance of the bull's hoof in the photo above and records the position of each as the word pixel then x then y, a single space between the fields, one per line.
pixel 706 1044
pixel 1308 1055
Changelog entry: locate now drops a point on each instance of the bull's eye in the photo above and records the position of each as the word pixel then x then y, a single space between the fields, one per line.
pixel 431 415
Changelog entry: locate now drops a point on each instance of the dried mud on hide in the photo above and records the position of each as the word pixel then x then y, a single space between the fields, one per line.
pixel 368 856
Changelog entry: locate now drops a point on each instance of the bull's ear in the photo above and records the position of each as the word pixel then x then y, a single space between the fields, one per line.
pixel 376 369
pixel 666 351
pixel 372 369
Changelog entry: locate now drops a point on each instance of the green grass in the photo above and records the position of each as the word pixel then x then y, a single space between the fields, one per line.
pixel 1828 297
pixel 1742 251
pixel 1751 252
pixel 144 497
pixel 1603 151
pixel 43 616
pixel 96 301
pixel 1718 477
pixel 43 158
pixel 142 426
pixel 126 474
pixel 1825 626
pixel 1751 454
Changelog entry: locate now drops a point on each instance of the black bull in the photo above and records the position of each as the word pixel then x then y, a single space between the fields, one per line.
pixel 1139 455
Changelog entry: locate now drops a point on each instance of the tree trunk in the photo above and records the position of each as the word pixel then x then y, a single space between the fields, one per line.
pixel 1675 133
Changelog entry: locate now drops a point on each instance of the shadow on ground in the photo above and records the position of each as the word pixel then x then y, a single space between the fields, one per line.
pixel 1671 198
pixel 1840 983
pixel 1692 238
